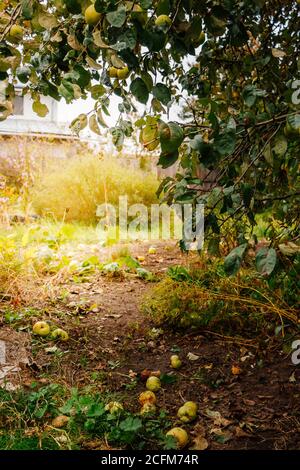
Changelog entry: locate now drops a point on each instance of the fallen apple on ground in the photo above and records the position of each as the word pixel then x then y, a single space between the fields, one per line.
pixel 153 384
pixel 148 408
pixel 60 334
pixel 147 397
pixel 175 362
pixel 114 407
pixel 187 412
pixel 152 250
pixel 192 405
pixel 41 328
pixel 60 421
pixel 180 435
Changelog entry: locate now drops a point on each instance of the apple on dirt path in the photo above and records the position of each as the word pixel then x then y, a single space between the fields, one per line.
pixel 175 362
pixel 180 435
pixel 41 328
pixel 147 397
pixel 60 334
pixel 153 384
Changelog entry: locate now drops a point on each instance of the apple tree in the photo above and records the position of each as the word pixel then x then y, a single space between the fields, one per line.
pixel 232 66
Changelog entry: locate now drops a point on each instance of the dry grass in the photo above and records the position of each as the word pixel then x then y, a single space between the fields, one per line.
pixel 74 190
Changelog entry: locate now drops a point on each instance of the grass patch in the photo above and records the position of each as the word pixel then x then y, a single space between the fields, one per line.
pixel 73 193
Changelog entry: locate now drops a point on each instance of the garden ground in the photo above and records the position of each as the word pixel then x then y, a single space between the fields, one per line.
pixel 247 390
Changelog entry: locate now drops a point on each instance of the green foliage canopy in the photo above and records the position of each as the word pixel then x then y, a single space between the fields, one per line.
pixel 235 64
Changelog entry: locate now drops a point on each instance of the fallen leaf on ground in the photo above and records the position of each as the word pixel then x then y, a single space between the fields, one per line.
pixel 217 417
pixel 292 378
pixel 235 370
pixel 200 443
pixel 192 357
pixel 239 432
pixel 60 421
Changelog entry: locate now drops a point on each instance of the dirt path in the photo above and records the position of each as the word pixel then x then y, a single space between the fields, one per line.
pixel 112 342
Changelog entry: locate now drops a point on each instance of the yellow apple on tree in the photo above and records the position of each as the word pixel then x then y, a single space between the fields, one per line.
pixel 123 73
pixel 113 72
pixel 163 21
pixel 91 15
pixel 16 32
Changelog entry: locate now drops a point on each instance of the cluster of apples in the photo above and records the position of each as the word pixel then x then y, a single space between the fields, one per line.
pixel 42 328
pixel 148 400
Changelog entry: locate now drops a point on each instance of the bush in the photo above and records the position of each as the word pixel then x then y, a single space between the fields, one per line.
pixel 208 299
pixel 75 189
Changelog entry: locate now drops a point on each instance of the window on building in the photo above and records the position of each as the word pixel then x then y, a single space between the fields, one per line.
pixel 18 106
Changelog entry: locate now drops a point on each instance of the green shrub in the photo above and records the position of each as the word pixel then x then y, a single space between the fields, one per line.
pixel 75 189
pixel 206 298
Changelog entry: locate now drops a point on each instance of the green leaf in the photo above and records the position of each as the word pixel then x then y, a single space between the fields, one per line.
pixel 251 93
pixel 93 124
pixel 146 77
pixel 234 260
pixel 145 4
pixel 225 142
pixel 27 9
pixel 97 91
pixel 216 26
pixel 83 76
pixel 47 20
pixel 168 159
pixel 118 137
pixel 79 123
pixel 168 379
pixel 101 118
pixel 117 18
pixel 131 424
pixel 67 90
pixel 39 108
pixel 23 74
pixel 280 145
pixel 162 93
pixel 129 38
pixel 139 90
pixel 73 6
pixel 96 410
pixel 247 193
pixel 163 7
pixel 266 259
pixel 171 136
